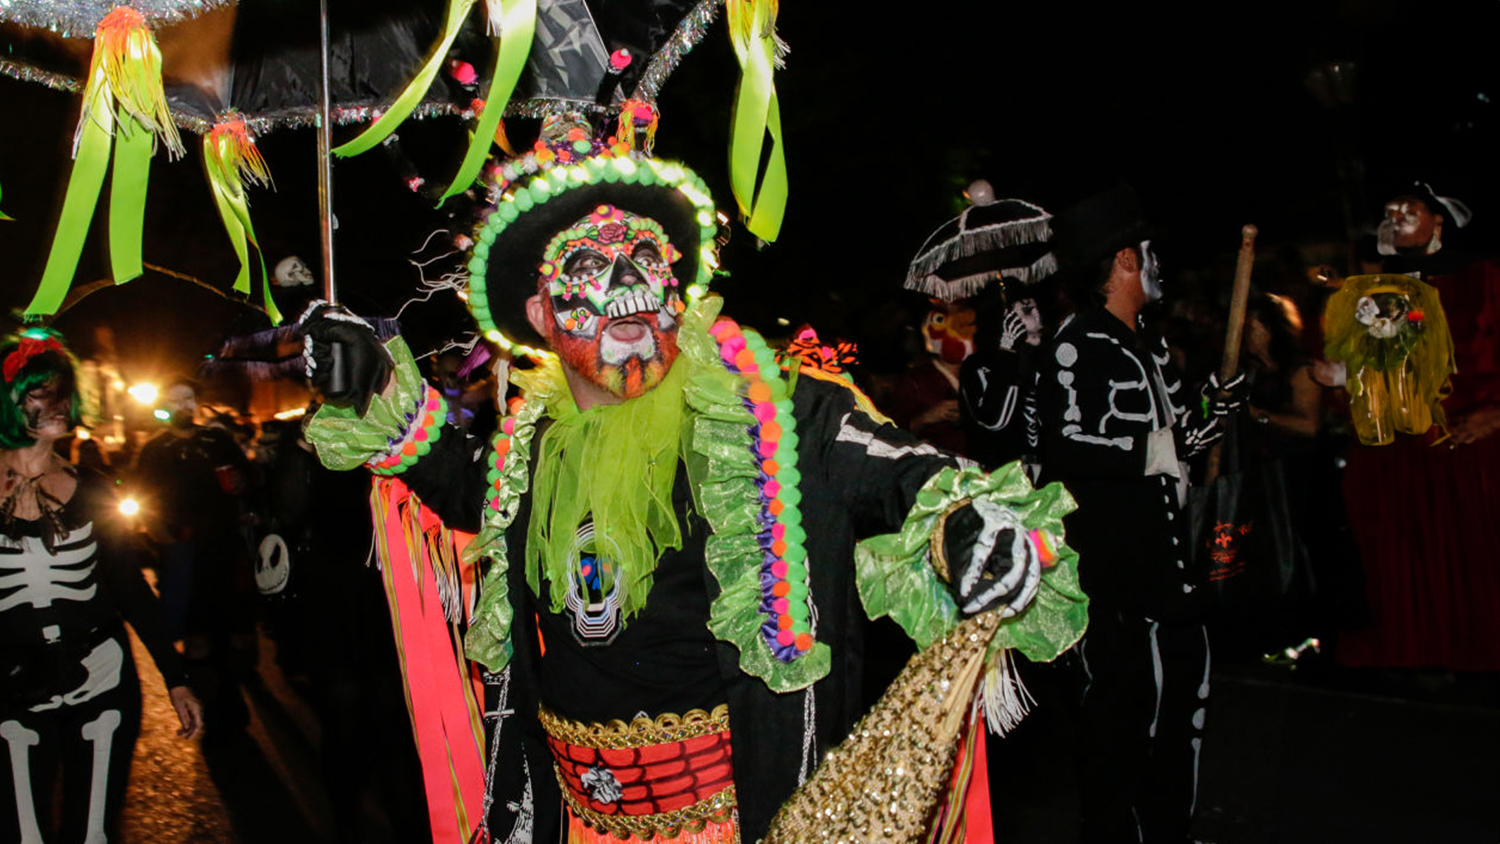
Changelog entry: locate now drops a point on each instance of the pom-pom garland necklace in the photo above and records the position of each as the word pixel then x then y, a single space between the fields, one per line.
pixel 424 427
pixel 787 628
pixel 786 608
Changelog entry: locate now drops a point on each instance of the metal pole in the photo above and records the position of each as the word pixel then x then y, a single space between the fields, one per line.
pixel 325 162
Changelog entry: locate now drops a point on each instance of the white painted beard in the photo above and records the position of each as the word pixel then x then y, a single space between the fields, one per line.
pixel 614 352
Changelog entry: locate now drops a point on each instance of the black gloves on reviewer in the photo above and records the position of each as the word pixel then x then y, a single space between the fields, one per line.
pixel 346 364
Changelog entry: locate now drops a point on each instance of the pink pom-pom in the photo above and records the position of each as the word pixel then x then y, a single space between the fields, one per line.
pixel 462 72
pixel 509 426
pixel 786 637
pixel 768 448
pixel 735 344
pixel 778 531
pixel 771 488
pixel 421 435
pixel 765 411
pixel 620 59
pixel 778 569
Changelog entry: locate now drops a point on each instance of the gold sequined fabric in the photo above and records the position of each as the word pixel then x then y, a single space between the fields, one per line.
pixel 883 782
pixel 715 814
pixel 617 735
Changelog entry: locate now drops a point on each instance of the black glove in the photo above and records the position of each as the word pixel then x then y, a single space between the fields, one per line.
pixel 346 364
pixel 991 562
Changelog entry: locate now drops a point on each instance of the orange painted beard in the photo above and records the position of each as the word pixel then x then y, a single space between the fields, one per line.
pixel 626 368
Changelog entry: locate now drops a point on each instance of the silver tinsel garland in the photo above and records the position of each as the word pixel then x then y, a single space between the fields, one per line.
pixel 79 18
pixel 689 32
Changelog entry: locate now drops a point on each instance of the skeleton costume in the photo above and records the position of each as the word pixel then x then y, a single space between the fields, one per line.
pixel 988 255
pixel 1118 427
pixel 665 588
pixel 69 695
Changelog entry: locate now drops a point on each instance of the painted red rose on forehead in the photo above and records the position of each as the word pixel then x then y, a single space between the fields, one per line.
pixel 611 233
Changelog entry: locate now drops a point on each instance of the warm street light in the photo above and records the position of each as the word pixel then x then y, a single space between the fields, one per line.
pixel 143 393
pixel 129 507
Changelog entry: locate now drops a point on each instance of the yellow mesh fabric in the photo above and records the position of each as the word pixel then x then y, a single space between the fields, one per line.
pixel 1391 332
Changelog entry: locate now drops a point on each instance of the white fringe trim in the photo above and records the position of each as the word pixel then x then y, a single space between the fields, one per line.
pixel 969 242
pixel 1006 700
pixel 951 290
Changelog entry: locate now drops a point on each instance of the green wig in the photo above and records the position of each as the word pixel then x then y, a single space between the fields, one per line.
pixel 31 359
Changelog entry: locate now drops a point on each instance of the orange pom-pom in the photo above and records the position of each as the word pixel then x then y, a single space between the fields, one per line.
pixel 778 547
pixel 744 359
pixel 804 642
pixel 770 431
pixel 409 449
pixel 770 467
pixel 760 391
pixel 776 507
pixel 781 589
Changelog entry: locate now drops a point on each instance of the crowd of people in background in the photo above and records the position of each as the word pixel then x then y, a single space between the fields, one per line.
pixel 1395 544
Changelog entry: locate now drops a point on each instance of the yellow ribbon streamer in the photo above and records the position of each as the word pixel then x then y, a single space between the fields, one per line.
pixel 230 158
pixel 415 90
pixel 518 26
pixel 124 103
pixel 752 31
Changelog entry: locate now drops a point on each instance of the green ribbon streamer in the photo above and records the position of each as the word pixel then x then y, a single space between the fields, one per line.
pixel 756 114
pixel 234 211
pixel 415 90
pixel 127 197
pixel 90 162
pixel 518 26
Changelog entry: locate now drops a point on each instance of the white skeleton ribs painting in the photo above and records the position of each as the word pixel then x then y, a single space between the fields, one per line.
pixel 70 698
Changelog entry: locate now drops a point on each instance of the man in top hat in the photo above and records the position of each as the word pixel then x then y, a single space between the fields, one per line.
pixel 1119 428
pixel 1423 516
pixel 669 524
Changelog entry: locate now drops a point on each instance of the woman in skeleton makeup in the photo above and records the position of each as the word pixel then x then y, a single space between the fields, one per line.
pixel 70 701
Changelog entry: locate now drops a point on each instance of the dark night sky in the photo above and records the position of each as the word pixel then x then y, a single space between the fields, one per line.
pixel 1203 108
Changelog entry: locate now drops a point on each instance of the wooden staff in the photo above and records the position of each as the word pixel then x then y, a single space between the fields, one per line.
pixel 1236 327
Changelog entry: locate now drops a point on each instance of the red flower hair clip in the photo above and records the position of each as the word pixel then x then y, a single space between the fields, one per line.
pixel 29 348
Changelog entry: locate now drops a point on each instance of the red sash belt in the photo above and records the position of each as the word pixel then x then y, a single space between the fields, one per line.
pixel 647 779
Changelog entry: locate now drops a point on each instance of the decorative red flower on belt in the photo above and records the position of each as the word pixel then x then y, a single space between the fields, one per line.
pixel 29 348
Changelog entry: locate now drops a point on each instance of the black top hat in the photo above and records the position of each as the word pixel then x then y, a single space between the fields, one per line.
pixel 1097 228
pixel 1453 210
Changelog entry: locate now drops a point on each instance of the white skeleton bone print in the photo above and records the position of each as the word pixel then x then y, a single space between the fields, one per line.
pixel 40 578
pixel 1148 398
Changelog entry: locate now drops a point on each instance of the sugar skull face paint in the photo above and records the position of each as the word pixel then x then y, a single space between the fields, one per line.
pixel 613 301
pixel 1031 319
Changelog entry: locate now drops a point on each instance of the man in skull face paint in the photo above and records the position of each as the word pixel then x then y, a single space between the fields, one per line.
pixel 1119 429
pixel 634 512
pixel 611 304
